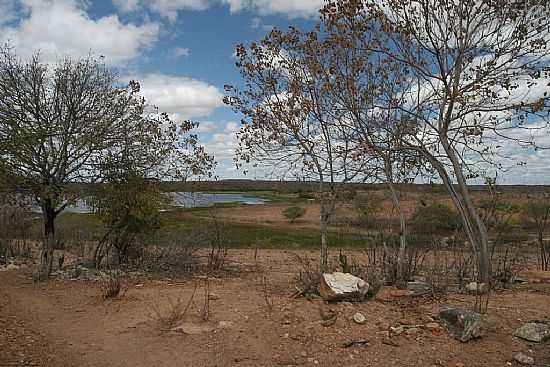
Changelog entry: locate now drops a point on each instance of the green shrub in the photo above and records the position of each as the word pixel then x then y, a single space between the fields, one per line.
pixel 436 219
pixel 293 212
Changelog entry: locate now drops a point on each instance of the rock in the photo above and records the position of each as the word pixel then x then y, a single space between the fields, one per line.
pixel 462 325
pixel 342 286
pixel 213 297
pixel 524 359
pixel 359 318
pixel 476 288
pixel 193 329
pixel 534 332
pixel 397 330
pixel 419 288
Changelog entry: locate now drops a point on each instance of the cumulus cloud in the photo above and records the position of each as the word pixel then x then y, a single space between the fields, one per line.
pixel 180 96
pixel 59 28
pixel 289 8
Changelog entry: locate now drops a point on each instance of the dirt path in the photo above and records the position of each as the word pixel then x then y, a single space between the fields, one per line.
pixel 66 323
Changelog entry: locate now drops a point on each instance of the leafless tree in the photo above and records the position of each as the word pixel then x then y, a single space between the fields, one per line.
pixel 73 122
pixel 477 79
pixel 289 119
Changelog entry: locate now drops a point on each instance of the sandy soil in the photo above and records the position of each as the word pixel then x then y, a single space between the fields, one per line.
pixel 67 323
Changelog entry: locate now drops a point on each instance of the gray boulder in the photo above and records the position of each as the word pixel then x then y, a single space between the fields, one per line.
pixel 534 332
pixel 462 325
pixel 418 288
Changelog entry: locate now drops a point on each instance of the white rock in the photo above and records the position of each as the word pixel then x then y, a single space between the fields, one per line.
pixel 524 359
pixel 341 286
pixel 359 318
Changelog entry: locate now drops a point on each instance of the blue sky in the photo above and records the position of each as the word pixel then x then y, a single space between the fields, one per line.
pixel 180 50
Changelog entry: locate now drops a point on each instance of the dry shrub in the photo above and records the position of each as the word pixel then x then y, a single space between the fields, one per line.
pixel 307 278
pixel 111 284
pixel 174 314
pixel 175 256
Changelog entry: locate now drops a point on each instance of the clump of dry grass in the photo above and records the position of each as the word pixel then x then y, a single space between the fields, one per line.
pixel 174 314
pixel 111 284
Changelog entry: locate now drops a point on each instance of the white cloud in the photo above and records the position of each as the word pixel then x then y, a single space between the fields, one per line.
pixel 181 52
pixel 126 6
pixel 166 8
pixel 289 8
pixel 59 28
pixel 180 96
pixel 170 8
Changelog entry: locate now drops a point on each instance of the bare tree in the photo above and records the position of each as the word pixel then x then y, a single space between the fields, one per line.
pixel 476 80
pixel 289 119
pixel 68 123
pixel 539 211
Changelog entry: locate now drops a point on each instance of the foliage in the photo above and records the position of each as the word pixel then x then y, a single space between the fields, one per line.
pixel 436 219
pixel 129 207
pixel 294 212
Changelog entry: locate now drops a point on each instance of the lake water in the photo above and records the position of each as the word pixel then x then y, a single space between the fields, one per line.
pixel 205 199
pixel 185 200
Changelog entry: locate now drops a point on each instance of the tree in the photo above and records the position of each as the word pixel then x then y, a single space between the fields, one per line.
pixel 68 123
pixel 539 212
pixel 289 120
pixel 476 81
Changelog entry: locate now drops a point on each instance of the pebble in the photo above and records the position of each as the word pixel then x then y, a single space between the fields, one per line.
pixel 359 318
pixel 522 358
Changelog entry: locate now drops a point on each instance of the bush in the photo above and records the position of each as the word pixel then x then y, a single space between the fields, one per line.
pixel 436 219
pixel 367 208
pixel 294 212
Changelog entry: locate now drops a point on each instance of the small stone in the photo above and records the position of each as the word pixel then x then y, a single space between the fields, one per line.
pixel 139 285
pixel 524 359
pixel 458 364
pixel 359 318
pixel 412 331
pixel 213 297
pixel 397 330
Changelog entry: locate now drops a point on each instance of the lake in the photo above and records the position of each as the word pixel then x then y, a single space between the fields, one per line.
pixel 185 200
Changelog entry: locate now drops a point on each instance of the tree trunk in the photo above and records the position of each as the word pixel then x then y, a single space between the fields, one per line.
pixel 324 233
pixel 402 227
pixel 46 253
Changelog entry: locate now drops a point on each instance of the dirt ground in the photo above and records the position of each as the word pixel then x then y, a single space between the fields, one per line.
pixel 67 323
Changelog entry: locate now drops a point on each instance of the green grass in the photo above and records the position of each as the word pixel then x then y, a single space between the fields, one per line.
pixel 197 227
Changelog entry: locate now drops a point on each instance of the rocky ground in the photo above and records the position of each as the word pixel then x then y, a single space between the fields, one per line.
pixel 254 321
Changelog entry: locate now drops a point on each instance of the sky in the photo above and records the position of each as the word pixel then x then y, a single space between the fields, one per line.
pixel 182 52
